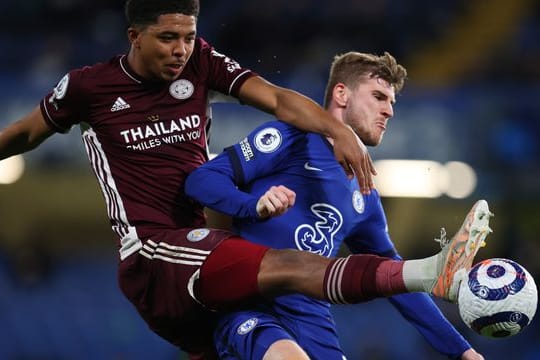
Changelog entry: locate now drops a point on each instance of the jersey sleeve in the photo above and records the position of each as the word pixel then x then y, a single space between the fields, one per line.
pixel 418 309
pixel 64 106
pixel 267 150
pixel 214 185
pixel 421 312
pixel 222 183
pixel 224 74
pixel 371 236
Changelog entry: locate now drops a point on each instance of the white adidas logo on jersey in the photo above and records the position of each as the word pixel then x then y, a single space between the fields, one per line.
pixel 120 104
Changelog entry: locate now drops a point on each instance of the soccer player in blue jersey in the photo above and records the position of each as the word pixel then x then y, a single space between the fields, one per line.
pixel 280 170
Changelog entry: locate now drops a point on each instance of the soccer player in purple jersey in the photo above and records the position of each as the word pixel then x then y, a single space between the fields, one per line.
pixel 144 122
pixel 277 166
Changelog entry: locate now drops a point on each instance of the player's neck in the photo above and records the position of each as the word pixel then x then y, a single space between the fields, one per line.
pixel 135 64
pixel 335 112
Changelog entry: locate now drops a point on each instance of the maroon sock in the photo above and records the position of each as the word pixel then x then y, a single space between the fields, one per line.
pixel 389 278
pixel 358 278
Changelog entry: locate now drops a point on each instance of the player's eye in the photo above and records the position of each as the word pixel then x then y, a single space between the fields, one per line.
pixel 166 37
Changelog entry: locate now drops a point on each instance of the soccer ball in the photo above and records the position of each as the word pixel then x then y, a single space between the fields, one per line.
pixel 498 298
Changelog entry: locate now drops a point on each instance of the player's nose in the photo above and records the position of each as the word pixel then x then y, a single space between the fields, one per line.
pixel 179 49
pixel 388 111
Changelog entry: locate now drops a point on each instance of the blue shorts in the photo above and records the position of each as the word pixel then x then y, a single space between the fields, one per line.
pixel 249 334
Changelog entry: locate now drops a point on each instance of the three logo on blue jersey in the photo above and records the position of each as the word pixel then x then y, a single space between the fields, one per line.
pixel 319 239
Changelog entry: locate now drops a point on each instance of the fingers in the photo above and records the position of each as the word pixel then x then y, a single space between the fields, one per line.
pixel 471 354
pixel 373 171
pixel 355 160
pixel 276 201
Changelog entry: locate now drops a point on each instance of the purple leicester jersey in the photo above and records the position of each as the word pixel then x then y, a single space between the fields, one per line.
pixel 143 138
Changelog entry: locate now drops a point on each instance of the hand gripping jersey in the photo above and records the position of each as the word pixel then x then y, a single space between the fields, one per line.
pixel 329 211
pixel 143 138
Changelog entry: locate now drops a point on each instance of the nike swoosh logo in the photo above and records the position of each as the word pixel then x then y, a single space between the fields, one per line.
pixel 311 168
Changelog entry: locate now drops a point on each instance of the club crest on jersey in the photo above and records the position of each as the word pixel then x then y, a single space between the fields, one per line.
pixel 268 140
pixel 247 326
pixel 197 234
pixel 358 202
pixel 181 89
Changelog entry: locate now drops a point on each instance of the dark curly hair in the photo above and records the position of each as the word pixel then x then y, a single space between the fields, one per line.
pixel 146 12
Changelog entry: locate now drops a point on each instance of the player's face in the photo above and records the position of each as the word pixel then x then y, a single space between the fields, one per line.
pixel 160 51
pixel 368 109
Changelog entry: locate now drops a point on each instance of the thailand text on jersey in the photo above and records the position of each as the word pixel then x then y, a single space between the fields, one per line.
pixel 143 138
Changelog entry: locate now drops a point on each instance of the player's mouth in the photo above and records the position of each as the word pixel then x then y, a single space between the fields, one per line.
pixel 381 125
pixel 175 69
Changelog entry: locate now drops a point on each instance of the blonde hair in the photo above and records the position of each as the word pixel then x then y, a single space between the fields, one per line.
pixel 353 67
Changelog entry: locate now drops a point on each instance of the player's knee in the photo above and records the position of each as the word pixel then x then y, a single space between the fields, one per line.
pixel 285 350
pixel 228 277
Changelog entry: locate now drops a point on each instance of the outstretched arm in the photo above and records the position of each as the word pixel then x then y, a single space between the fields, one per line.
pixel 305 114
pixel 213 185
pixel 420 310
pixel 417 308
pixel 24 134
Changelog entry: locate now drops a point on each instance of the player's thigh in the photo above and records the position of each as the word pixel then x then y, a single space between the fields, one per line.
pixel 319 340
pixel 285 350
pixel 228 277
pixel 250 334
pixel 313 329
pixel 157 279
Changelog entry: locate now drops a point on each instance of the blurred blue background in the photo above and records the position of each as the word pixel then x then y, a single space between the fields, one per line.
pixel 472 95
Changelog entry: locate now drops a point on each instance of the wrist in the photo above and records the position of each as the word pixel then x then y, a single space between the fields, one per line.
pixel 337 129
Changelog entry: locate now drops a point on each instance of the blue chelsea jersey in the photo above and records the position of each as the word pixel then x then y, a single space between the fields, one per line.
pixel 329 211
pixel 329 208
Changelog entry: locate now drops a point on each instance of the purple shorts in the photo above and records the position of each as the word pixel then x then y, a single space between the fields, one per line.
pixel 157 280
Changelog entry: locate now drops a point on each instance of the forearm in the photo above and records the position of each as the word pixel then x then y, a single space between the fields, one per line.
pixel 12 142
pixel 289 106
pixel 420 310
pixel 23 135
pixel 306 114
pixel 218 192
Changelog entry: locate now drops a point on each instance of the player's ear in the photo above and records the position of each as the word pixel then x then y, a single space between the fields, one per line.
pixel 340 94
pixel 133 36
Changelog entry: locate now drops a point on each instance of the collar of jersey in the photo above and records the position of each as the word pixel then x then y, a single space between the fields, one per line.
pixel 124 64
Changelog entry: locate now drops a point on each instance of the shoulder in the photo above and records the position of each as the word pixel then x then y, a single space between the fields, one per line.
pixel 87 77
pixel 202 45
pixel 100 69
pixel 200 60
pixel 280 127
pixel 201 49
pixel 272 135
